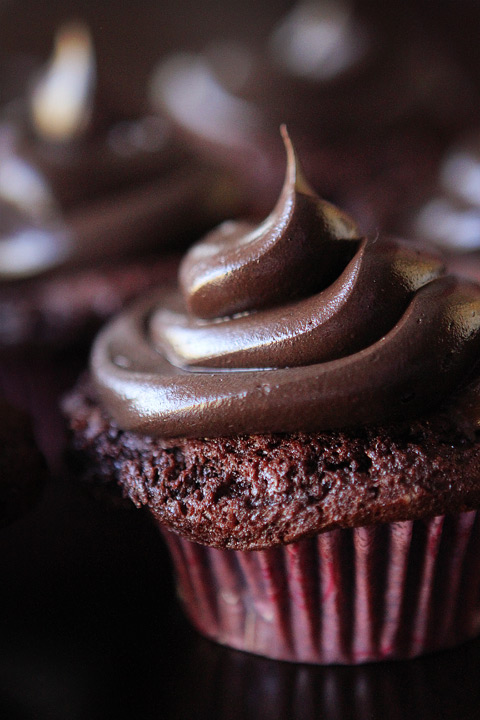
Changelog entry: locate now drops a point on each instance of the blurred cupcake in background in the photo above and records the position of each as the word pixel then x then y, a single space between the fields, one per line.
pixel 450 216
pixel 366 100
pixel 82 188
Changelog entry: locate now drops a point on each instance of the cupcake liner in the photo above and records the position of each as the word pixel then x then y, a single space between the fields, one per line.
pixel 345 596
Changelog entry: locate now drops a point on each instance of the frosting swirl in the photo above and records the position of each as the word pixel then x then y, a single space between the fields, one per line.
pixel 298 324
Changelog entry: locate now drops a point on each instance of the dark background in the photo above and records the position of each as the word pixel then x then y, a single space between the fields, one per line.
pixel 89 624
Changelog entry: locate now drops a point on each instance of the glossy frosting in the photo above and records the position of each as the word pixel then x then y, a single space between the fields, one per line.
pixel 271 342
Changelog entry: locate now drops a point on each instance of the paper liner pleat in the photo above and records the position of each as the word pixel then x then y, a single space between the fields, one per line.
pixel 345 596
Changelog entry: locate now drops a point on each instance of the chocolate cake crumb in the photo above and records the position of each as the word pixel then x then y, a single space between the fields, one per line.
pixel 257 491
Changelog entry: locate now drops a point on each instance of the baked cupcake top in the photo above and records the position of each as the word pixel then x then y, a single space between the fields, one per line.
pixel 298 324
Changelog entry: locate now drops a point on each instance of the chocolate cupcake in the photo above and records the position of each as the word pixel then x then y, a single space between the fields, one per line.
pixel 302 425
pixel 82 187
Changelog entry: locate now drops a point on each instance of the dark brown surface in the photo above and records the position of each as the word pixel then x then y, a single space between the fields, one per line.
pixel 22 466
pixel 90 628
pixel 132 36
pixel 68 309
pixel 262 490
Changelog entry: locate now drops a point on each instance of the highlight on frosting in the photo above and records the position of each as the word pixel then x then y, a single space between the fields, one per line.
pixel 28 249
pixel 240 266
pixel 24 187
pixel 299 324
pixel 61 102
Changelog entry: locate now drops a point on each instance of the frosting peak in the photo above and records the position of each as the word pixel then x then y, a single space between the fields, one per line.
pixel 241 267
pixel 296 325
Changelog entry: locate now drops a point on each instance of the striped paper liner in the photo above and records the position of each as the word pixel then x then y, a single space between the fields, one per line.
pixel 345 596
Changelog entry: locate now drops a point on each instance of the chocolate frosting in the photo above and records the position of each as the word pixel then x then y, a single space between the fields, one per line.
pixel 270 343
pixel 241 267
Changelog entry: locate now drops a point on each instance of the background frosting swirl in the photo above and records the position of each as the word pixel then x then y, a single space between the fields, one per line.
pixel 298 324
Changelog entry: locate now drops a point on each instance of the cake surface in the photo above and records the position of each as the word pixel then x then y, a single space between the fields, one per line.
pixel 250 492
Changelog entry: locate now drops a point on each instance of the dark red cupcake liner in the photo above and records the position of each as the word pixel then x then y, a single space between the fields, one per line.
pixel 345 596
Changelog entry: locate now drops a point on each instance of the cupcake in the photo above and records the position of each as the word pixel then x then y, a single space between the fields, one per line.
pixel 82 186
pixel 301 422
